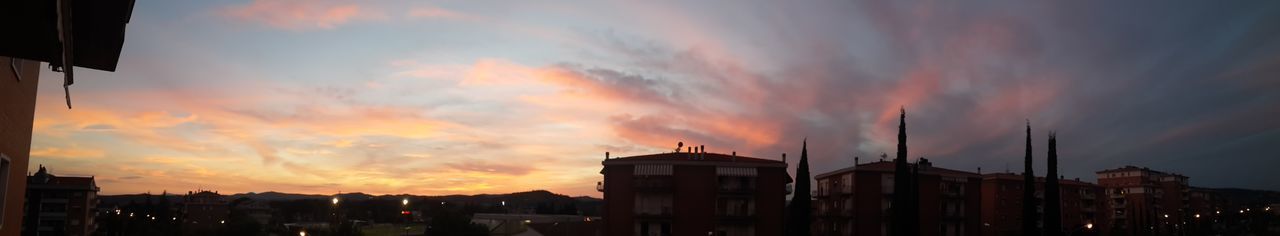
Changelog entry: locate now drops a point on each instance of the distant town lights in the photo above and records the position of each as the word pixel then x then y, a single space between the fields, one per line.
pixel 222 222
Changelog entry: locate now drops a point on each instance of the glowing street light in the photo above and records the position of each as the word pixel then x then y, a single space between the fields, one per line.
pixel 302 233
pixel 335 200
pixel 1197 215
pixel 404 202
pixel 1166 215
pixel 1088 226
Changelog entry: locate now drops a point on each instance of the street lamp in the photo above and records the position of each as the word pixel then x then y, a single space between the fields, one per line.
pixel 302 233
pixel 1197 215
pixel 335 200
pixel 404 202
pixel 1088 226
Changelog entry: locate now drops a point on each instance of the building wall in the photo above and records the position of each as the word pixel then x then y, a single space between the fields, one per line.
pixel 771 200
pixel 619 202
pixel 869 195
pixel 694 200
pixel 17 108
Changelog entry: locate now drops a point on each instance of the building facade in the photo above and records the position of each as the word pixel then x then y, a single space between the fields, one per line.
pixel 694 193
pixel 60 205
pixel 856 200
pixel 17 110
pixel 1082 205
pixel 1146 202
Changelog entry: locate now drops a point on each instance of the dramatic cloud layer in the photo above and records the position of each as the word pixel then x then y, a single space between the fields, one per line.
pixel 462 97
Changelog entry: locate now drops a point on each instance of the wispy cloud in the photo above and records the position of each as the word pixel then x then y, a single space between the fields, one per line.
pixel 302 14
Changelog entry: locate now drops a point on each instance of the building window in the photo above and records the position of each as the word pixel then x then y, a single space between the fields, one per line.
pixel 4 185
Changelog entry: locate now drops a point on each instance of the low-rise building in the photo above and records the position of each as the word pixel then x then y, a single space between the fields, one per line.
pixel 694 193
pixel 856 200
pixel 1082 203
pixel 60 205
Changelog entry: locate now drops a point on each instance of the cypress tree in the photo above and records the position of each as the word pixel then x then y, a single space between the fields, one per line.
pixel 902 210
pixel 1029 192
pixel 799 213
pixel 1052 197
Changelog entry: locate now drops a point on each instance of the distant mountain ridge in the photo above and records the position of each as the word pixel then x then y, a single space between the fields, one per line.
pixel 528 197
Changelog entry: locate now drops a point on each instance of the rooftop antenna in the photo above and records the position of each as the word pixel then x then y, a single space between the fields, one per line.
pixel 678 146
pixel 883 155
pixel 606 155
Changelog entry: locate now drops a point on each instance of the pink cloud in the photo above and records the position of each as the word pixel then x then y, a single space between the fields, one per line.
pixel 301 14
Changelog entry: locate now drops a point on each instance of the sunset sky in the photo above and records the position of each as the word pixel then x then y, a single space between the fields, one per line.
pixel 466 97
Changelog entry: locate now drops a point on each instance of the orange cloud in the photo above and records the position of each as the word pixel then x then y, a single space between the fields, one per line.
pixel 70 153
pixel 301 14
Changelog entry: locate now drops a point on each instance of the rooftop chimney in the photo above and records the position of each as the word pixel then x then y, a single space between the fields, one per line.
pixel 784 157
pixel 606 155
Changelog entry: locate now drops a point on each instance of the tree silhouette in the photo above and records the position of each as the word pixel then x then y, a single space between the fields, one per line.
pixel 1029 192
pixel 1052 198
pixel 799 212
pixel 903 207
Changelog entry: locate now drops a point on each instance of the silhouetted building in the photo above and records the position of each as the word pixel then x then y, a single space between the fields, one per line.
pixel 694 193
pixel 856 200
pixel 203 211
pixel 258 211
pixel 34 35
pixel 60 205
pixel 1082 205
pixel 1144 201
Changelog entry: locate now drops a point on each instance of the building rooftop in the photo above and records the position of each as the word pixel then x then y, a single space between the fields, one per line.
pixel 1135 168
pixel 888 166
pixel 1018 177
pixel 42 179
pixel 689 158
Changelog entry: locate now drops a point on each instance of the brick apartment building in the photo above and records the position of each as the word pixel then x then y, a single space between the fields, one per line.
pixel 694 193
pixel 1082 205
pixel 60 205
pixel 855 200
pixel 1149 202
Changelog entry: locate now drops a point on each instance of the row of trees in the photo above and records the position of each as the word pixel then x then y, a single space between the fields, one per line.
pixel 904 210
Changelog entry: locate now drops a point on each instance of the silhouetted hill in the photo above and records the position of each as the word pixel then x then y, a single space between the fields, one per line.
pixel 1237 196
